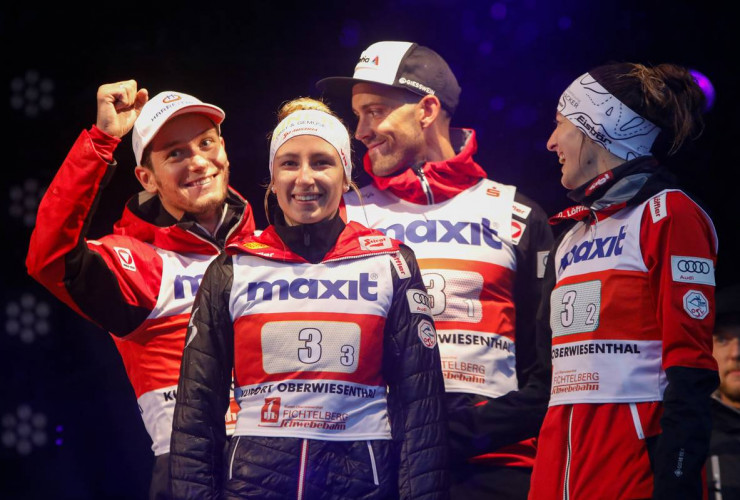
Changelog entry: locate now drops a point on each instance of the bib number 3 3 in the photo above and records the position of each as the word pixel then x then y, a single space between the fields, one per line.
pixel 291 346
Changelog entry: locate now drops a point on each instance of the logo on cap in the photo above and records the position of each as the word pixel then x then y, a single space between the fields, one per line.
pixel 171 98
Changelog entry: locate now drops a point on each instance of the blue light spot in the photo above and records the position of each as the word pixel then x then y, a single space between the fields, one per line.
pixel 350 35
pixel 498 11
pixel 485 48
pixel 497 103
pixel 565 23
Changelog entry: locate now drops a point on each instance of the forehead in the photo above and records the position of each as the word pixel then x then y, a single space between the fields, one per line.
pixel 182 128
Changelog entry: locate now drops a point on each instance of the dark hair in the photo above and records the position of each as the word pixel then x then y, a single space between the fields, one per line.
pixel 665 94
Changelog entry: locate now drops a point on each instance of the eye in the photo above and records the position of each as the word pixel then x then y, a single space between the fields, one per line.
pixel 288 163
pixel 207 142
pixel 175 153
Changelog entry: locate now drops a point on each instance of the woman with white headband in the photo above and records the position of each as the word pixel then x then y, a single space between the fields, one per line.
pixel 328 330
pixel 629 295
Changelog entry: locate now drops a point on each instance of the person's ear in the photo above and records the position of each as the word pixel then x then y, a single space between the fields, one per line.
pixel 146 178
pixel 430 108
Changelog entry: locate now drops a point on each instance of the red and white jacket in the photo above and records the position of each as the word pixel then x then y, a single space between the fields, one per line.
pixel 481 247
pixel 138 283
pixel 631 316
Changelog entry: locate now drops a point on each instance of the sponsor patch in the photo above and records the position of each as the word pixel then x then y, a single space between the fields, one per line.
pixel 686 269
pixel 253 245
pixel 541 263
pixel 402 269
pixel 517 230
pixel 492 191
pixel 127 260
pixel 375 242
pixel 657 207
pixel 419 302
pixel 696 304
pixel 521 210
pixel 427 334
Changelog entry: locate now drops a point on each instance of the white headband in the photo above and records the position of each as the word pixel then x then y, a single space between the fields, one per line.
pixel 607 120
pixel 313 122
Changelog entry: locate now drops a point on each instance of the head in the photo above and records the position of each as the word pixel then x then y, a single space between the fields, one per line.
pixel 310 162
pixel 403 95
pixel 726 348
pixel 181 156
pixel 624 111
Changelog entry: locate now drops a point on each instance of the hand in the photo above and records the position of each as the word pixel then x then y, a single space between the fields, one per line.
pixel 119 105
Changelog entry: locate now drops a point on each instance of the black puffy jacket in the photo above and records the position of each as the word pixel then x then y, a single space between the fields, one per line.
pixel 309 463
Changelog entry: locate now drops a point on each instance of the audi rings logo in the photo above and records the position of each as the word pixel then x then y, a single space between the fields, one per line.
pixel 421 298
pixel 693 266
pixel 691 269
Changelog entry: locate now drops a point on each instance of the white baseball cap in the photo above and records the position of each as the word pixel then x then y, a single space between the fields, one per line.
pixel 160 108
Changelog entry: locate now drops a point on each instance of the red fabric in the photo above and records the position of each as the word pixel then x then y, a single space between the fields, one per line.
pixel 104 144
pixel 687 341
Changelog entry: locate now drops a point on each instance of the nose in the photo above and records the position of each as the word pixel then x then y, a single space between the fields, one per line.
pixel 305 174
pixel 735 348
pixel 552 142
pixel 198 162
pixel 363 130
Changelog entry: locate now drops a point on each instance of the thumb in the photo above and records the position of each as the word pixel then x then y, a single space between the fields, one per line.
pixel 142 96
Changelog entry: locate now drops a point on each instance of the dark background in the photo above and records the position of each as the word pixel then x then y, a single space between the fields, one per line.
pixel 69 423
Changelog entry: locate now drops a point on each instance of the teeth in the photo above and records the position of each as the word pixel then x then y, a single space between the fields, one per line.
pixel 200 182
pixel 306 197
pixel 561 158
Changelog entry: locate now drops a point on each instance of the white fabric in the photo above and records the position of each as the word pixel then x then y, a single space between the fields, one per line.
pixel 606 120
pixel 161 108
pixel 319 124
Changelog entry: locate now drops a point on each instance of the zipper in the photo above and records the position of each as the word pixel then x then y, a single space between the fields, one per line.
pixel 302 469
pixel 418 170
pixel 714 460
pixel 372 464
pixel 636 420
pixel 566 481
pixel 233 454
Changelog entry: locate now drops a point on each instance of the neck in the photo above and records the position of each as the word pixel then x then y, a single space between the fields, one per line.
pixel 438 144
pixel 729 402
pixel 211 219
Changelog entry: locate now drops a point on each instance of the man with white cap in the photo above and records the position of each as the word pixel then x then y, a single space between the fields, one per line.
pixel 480 245
pixel 139 283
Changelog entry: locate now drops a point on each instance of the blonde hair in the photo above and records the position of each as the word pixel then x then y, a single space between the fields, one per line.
pixel 302 104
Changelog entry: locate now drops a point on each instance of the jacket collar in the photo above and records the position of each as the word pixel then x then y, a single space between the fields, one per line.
pixel 353 241
pixel 612 190
pixel 446 178
pixel 145 219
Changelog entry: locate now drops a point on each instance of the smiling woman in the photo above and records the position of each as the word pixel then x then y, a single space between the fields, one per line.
pixel 628 295
pixel 328 330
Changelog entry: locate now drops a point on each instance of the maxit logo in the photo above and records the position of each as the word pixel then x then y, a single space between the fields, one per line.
pixel 302 288
pixel 598 248
pixel 444 231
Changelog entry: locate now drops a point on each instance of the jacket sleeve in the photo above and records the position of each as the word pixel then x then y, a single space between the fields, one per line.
pixel 198 430
pixel 674 232
pixel 413 372
pixel 86 275
pixel 479 424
